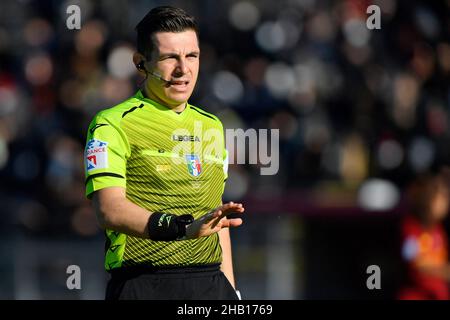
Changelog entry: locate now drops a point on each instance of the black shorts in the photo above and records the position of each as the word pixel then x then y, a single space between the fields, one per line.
pixel 181 283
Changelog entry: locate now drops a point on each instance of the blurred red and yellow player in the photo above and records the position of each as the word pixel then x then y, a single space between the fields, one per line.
pixel 425 242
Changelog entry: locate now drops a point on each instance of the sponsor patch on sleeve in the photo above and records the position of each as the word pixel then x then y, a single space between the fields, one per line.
pixel 96 155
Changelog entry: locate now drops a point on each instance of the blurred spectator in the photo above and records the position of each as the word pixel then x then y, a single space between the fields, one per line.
pixel 425 242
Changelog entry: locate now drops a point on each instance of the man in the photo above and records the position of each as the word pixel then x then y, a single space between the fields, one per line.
pixel 155 170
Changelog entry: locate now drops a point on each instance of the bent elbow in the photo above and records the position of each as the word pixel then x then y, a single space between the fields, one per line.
pixel 105 219
pixel 104 214
pixel 107 204
pixel 102 220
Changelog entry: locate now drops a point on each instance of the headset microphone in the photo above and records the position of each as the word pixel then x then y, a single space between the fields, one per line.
pixel 141 66
pixel 159 77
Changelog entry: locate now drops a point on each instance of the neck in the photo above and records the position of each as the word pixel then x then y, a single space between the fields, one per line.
pixel 174 107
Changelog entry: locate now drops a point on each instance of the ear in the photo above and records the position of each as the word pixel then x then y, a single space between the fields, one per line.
pixel 137 58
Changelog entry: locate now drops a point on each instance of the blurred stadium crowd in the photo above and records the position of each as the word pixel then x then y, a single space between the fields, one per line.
pixel 353 105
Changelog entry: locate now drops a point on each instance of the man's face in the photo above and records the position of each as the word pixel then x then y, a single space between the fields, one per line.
pixel 175 58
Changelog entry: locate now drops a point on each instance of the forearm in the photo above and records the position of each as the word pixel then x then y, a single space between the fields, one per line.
pixel 227 261
pixel 115 212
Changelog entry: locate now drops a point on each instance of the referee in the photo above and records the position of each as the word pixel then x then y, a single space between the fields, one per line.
pixel 155 170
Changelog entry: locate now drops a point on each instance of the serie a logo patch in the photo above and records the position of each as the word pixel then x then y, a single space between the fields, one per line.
pixel 96 155
pixel 194 165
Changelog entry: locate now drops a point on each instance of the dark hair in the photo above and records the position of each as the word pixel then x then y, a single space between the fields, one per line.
pixel 162 19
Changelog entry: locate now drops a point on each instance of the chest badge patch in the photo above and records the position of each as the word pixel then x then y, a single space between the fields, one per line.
pixel 194 165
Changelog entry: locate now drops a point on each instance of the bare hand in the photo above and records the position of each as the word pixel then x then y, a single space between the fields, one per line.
pixel 214 221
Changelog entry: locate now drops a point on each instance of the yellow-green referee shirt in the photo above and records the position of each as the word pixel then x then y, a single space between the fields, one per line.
pixel 168 162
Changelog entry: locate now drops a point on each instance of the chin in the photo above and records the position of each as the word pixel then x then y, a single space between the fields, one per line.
pixel 180 97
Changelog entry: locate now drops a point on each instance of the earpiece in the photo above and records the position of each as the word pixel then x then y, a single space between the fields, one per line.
pixel 141 66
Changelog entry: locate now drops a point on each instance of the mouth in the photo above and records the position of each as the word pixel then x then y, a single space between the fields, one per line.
pixel 179 83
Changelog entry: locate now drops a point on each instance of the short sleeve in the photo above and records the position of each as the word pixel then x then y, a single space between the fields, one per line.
pixel 105 156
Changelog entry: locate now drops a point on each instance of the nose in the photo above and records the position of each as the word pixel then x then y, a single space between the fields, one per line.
pixel 182 67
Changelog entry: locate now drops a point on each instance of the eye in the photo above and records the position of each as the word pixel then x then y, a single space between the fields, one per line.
pixel 193 55
pixel 168 57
